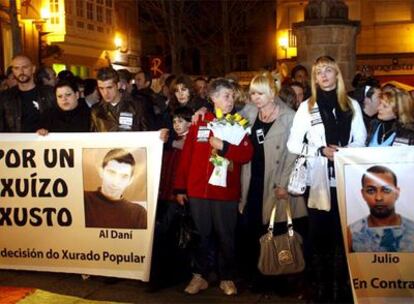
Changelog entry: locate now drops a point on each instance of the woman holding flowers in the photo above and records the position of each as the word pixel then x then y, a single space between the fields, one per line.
pixel 265 177
pixel 328 120
pixel 213 207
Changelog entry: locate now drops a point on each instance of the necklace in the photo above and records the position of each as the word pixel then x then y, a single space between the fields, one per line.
pixel 385 133
pixel 267 118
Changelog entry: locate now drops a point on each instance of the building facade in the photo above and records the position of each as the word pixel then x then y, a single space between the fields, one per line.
pixel 385 43
pixel 78 35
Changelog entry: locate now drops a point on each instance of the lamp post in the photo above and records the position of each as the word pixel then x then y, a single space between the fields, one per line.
pixel 284 44
pixel 44 16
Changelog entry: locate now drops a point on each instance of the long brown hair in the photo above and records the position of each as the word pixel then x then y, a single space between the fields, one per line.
pixel 343 99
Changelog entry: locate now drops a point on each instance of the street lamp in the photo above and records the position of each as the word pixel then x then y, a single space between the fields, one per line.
pixel 284 44
pixel 44 16
pixel 118 42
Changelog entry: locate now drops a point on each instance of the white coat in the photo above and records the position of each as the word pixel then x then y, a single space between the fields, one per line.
pixel 310 124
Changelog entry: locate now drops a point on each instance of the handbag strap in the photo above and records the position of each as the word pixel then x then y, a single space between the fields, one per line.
pixel 304 149
pixel 288 216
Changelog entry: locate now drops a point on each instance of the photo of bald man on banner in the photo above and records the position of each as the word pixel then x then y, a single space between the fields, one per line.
pixel 383 229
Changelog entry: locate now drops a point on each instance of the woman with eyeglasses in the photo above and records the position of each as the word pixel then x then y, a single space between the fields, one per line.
pixel 327 121
pixel 394 125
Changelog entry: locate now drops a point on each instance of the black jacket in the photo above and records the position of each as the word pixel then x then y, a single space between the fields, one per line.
pixel 128 115
pixel 11 107
pixel 76 120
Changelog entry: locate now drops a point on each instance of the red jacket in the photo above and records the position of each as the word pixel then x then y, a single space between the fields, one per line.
pixel 194 169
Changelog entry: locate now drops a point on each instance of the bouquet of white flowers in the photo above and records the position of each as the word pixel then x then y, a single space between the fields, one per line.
pixel 230 128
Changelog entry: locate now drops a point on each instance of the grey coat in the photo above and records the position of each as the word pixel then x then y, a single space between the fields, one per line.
pixel 278 165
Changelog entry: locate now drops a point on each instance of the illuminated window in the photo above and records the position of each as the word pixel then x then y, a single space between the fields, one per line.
pixel 54 11
pixel 80 70
pixel 58 67
pixel 89 10
pixel 79 8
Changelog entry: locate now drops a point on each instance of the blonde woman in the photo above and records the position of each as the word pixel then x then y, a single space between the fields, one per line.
pixel 395 120
pixel 328 120
pixel 265 177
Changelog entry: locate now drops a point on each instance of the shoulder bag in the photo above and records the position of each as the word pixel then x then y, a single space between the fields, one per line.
pixel 299 175
pixel 281 254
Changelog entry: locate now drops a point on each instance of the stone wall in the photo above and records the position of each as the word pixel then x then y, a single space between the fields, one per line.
pixel 335 40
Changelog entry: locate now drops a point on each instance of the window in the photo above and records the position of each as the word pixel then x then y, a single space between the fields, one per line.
pixel 292 39
pixel 100 2
pixel 69 7
pixel 58 67
pixel 108 16
pixel 108 3
pixel 80 70
pixel 54 11
pixel 89 10
pixel 100 29
pixel 91 27
pixel 99 13
pixel 79 8
pixel 69 22
pixel 80 24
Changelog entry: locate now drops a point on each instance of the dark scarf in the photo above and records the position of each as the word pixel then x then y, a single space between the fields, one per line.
pixel 336 122
pixel 387 128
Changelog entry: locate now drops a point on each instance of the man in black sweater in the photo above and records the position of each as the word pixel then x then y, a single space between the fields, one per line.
pixel 21 106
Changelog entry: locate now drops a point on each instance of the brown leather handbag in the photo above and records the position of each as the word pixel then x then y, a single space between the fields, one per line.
pixel 281 254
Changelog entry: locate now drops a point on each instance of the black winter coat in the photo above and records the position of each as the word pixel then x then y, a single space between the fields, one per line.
pixel 128 115
pixel 11 107
pixel 76 120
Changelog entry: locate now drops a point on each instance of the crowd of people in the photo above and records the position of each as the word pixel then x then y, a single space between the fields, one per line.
pixel 314 111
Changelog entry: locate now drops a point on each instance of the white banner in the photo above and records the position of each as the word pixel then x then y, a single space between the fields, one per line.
pixel 376 195
pixel 79 202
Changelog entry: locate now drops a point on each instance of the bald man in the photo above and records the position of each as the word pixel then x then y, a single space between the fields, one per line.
pixel 383 230
pixel 22 105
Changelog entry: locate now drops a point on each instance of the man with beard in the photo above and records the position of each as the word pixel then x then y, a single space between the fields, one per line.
pixel 383 230
pixel 21 106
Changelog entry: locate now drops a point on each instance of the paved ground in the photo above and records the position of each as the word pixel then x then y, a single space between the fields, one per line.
pixel 128 291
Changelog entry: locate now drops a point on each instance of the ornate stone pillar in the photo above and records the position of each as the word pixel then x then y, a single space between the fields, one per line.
pixel 328 31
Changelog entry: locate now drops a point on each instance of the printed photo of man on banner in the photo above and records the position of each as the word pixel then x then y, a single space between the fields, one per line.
pixel 79 203
pixel 375 194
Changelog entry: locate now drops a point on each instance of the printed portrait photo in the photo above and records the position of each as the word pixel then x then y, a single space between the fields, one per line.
pixel 379 199
pixel 115 188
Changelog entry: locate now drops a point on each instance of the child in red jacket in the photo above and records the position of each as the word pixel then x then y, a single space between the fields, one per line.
pixel 171 157
pixel 213 208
